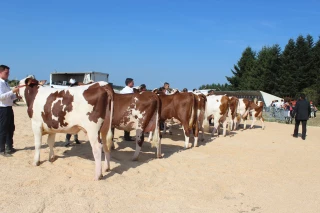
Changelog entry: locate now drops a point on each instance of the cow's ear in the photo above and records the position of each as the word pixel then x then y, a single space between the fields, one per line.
pixel 42 82
pixel 31 82
pixel 155 91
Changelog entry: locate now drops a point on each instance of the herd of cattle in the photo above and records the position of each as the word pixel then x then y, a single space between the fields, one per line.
pixel 95 109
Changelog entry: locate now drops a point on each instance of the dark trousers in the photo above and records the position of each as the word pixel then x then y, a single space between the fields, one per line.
pixel 126 135
pixel 6 128
pixel 304 128
pixel 68 136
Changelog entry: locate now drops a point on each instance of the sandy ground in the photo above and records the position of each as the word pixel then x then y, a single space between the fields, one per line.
pixel 253 171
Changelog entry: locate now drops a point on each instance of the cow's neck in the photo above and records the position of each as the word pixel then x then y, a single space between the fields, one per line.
pixel 30 94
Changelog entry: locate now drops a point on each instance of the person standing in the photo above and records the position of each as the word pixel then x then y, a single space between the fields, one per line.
pixel 7 127
pixel 302 112
pixel 72 83
pixel 128 89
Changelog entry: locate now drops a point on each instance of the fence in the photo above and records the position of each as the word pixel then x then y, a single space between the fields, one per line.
pixel 277 115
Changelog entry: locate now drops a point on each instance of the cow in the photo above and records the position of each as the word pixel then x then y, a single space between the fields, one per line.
pixel 68 111
pixel 181 107
pixel 217 107
pixel 247 107
pixel 232 114
pixel 256 109
pixel 200 106
pixel 139 111
pixel 243 112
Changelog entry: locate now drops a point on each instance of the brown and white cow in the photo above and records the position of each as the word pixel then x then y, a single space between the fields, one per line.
pixel 247 107
pixel 139 111
pixel 243 111
pixel 232 114
pixel 256 110
pixel 68 111
pixel 217 107
pixel 181 107
pixel 200 107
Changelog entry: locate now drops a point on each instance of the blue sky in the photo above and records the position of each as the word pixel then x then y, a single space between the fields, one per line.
pixel 187 43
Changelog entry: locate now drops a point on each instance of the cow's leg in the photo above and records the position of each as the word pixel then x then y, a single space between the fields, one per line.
pixel 224 124
pixel 37 143
pixel 150 137
pixel 106 151
pixel 50 141
pixel 186 132
pixel 215 127
pixel 262 122
pixel 139 142
pixel 196 134
pixel 96 150
pixel 244 123
pixel 253 122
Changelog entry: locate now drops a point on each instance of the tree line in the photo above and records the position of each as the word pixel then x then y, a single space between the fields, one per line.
pixel 285 73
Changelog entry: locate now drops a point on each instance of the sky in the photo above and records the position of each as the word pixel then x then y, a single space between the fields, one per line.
pixel 183 42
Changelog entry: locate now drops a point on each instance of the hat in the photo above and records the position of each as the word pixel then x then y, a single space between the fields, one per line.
pixel 72 81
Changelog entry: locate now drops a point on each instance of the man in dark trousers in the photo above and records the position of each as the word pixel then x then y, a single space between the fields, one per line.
pixel 7 96
pixel 301 113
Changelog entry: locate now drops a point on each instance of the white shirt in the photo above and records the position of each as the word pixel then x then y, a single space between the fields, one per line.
pixel 126 90
pixel 6 94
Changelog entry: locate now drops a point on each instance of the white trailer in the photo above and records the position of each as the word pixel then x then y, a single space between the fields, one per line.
pixel 61 79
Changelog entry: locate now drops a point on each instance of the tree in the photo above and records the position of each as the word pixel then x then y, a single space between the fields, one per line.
pixel 242 69
pixel 286 78
pixel 303 61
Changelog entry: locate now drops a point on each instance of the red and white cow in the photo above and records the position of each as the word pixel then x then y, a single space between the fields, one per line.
pixel 256 111
pixel 243 111
pixel 68 111
pixel 232 114
pixel 139 111
pixel 217 107
pixel 200 107
pixel 179 106
pixel 247 107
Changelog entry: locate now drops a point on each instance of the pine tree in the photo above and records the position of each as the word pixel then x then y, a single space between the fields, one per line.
pixel 286 79
pixel 241 70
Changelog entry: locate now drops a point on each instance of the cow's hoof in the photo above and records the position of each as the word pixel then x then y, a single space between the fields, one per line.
pixel 98 178
pixel 36 163
pixel 107 170
pixel 159 157
pixel 135 159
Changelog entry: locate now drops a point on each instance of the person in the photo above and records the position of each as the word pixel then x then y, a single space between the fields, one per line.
pixel 127 90
pixel 185 90
pixel 211 92
pixel 7 127
pixel 166 87
pixel 142 88
pixel 302 112
pixel 72 83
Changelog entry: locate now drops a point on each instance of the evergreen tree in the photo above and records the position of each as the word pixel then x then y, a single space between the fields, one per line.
pixel 303 61
pixel 242 69
pixel 286 78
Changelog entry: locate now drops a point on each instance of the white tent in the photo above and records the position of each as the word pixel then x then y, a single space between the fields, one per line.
pixel 268 98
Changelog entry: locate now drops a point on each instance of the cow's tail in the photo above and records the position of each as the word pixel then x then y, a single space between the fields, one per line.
pixel 193 113
pixel 156 132
pixel 109 134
